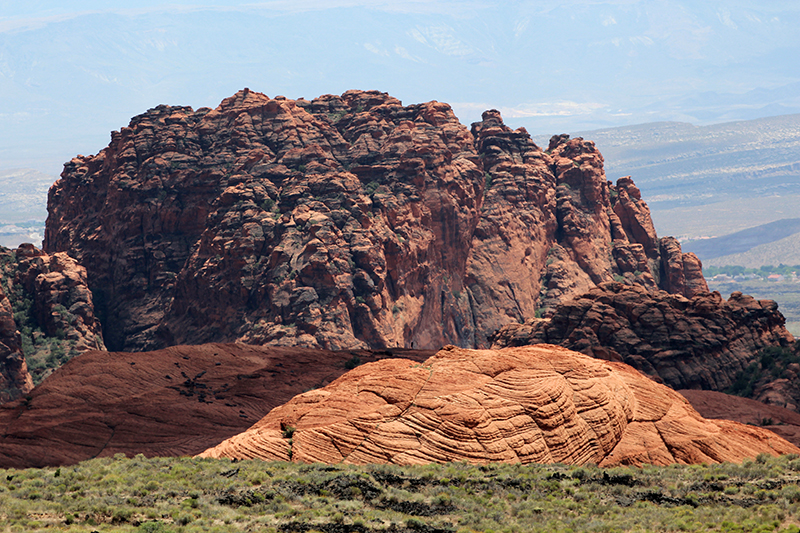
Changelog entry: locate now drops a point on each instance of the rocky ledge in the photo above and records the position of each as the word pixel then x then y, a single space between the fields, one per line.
pixel 539 404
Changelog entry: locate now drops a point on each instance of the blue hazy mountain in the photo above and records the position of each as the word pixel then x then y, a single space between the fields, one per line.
pixel 709 181
pixel 70 75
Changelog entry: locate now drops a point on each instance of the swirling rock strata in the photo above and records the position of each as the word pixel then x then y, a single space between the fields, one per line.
pixel 347 221
pixel 538 404
pixel 702 342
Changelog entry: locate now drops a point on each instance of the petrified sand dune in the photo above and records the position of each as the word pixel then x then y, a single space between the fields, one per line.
pixel 539 404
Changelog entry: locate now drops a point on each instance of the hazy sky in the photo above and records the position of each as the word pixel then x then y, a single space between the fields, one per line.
pixel 70 72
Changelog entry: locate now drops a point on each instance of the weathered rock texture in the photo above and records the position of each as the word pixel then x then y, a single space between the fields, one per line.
pixel 343 222
pixel 539 404
pixel 702 342
pixel 172 402
pixel 46 309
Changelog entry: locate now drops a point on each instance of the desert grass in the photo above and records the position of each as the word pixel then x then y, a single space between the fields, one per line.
pixel 203 495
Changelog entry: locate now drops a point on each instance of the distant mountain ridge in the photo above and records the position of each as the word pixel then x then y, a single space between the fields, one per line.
pixel 703 181
pixel 786 251
pixel 745 240
pixel 732 61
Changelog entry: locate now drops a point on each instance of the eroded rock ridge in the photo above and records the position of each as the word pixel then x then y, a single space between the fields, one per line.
pixel 702 342
pixel 46 316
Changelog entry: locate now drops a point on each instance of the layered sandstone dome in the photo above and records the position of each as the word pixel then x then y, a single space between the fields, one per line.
pixel 172 402
pixel 538 404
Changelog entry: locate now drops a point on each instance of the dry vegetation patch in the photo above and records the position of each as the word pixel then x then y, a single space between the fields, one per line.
pixel 192 495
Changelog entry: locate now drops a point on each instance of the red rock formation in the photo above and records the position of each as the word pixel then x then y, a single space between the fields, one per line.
pixel 261 221
pixel 552 227
pixel 172 402
pixel 347 221
pixel 62 302
pixel 701 342
pixel 15 380
pixel 49 295
pixel 539 404
pixel 682 273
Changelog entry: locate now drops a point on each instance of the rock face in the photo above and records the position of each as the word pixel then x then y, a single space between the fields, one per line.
pixel 348 221
pixel 534 404
pixel 702 342
pixel 552 227
pixel 46 310
pixel 172 402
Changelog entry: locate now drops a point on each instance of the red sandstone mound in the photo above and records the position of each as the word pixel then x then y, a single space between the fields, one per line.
pixel 702 342
pixel 344 222
pixel 177 401
pixel 533 404
pixel 712 404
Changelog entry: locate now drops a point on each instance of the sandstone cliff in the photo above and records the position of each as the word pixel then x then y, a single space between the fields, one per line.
pixel 552 227
pixel 540 404
pixel 344 222
pixel 702 342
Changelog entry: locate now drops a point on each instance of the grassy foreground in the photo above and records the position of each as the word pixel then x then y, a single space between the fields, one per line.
pixel 193 495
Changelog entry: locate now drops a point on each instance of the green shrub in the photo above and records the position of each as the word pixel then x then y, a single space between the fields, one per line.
pixel 353 362
pixel 188 495
pixel 153 527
